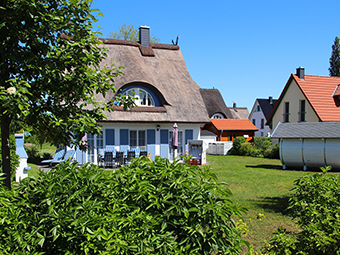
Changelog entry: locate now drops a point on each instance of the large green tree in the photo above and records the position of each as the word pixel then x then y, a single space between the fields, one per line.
pixel 334 61
pixel 49 70
pixel 130 33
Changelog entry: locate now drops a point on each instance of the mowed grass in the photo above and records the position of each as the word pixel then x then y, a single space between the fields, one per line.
pixel 261 186
pixel 34 162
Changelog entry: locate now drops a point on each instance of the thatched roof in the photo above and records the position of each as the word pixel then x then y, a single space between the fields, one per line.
pixel 214 103
pixel 239 112
pixel 159 67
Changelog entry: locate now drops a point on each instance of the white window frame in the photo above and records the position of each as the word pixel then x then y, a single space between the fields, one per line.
pixel 95 143
pixel 138 139
pixel 137 94
pixel 217 116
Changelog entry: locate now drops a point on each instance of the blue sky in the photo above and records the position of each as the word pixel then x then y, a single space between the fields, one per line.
pixel 246 49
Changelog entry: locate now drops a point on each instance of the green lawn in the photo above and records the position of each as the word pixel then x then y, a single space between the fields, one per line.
pixel 34 162
pixel 262 187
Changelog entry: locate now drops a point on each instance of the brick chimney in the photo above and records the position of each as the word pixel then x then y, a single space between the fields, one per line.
pixel 300 72
pixel 144 35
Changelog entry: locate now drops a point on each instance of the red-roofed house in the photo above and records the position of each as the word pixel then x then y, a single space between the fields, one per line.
pixel 228 129
pixel 307 98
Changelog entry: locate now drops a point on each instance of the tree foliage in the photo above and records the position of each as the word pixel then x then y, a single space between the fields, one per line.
pixel 130 33
pixel 14 156
pixel 334 61
pixel 146 208
pixel 315 205
pixel 48 80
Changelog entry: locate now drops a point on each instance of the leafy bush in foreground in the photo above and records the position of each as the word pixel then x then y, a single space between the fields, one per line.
pixel 316 206
pixel 147 208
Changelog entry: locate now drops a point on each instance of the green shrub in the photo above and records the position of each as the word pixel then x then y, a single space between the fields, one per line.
pixel 32 151
pixel 262 143
pixel 247 149
pixel 272 152
pixel 146 208
pixel 14 156
pixel 316 207
pixel 238 141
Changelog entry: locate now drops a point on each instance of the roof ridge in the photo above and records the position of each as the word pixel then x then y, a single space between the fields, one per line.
pixel 321 76
pixel 137 44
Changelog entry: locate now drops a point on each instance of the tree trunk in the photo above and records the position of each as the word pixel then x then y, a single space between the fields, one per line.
pixel 6 154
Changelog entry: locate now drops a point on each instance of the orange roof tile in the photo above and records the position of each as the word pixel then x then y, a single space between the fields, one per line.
pixel 319 92
pixel 233 124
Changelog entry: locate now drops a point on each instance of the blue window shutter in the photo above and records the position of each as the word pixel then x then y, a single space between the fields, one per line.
pixel 110 137
pixel 189 135
pixel 164 136
pixel 124 137
pixel 151 142
pixel 164 143
pixel 150 136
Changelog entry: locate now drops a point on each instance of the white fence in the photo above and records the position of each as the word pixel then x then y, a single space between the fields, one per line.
pixel 219 148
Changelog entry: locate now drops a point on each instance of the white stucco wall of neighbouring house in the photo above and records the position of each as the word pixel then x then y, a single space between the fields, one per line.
pixel 256 117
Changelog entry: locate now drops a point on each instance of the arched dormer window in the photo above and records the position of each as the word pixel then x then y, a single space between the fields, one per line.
pixel 145 95
pixel 217 116
pixel 142 97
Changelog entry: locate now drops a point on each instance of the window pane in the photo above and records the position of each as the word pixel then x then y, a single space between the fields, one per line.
pixel 141 138
pixel 303 103
pixel 142 96
pixel 133 138
pixel 90 150
pixel 131 92
pixel 180 143
pixel 150 100
pixel 286 113
pixel 302 110
pixel 100 143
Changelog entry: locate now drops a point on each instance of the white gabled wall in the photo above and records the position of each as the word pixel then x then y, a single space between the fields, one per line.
pixel 257 116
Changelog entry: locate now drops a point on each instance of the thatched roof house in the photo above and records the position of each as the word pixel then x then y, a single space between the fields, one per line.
pixel 157 77
pixel 239 112
pixel 215 104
